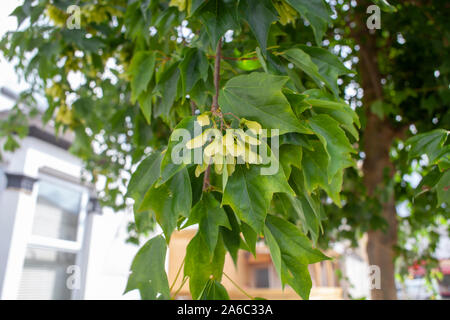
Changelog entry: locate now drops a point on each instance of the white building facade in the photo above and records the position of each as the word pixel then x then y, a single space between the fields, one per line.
pixel 55 240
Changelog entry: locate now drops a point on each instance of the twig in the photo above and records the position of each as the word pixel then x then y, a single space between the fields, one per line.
pixel 215 103
pixel 206 178
pixel 193 107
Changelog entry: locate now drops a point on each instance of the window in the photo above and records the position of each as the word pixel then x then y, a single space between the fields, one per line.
pixel 57 212
pixel 262 277
pixel 56 240
pixel 44 274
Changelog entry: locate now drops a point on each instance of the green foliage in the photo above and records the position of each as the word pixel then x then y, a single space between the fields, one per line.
pixel 258 97
pixel 148 69
pixel 157 81
pixel 291 252
pixel 433 145
pixel 148 273
pixel 249 193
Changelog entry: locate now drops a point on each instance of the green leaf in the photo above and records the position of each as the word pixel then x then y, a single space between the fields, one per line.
pixel 340 111
pixel 274 249
pixel 385 6
pixel 167 88
pixel 148 273
pixel 261 59
pixel 321 65
pixel 169 200
pixel 335 142
pixel 144 177
pixel 141 71
pixel 210 216
pixel 214 290
pixel 316 12
pixel 296 100
pixel 249 194
pixel 290 155
pixel 298 208
pixel 193 68
pixel 168 165
pixel 194 5
pixel 314 168
pixel 296 254
pixel 232 237
pixel 329 66
pixel 443 189
pixel 296 139
pixel 260 14
pixel 428 182
pixel 200 265
pixel 145 103
pixel 250 237
pixel 303 61
pixel 218 16
pixel 430 143
pixel 444 159
pixel 258 97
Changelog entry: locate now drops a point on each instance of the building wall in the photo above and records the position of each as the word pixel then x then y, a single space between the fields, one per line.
pixel 104 258
pixel 325 286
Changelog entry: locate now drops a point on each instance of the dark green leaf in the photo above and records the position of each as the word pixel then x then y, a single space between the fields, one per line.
pixel 258 97
pixel 210 216
pixel 316 12
pixel 249 193
pixel 144 177
pixel 169 200
pixel 260 14
pixel 214 290
pixel 148 273
pixel 141 71
pixel 296 254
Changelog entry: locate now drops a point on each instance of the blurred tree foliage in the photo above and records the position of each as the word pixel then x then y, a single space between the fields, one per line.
pixel 137 69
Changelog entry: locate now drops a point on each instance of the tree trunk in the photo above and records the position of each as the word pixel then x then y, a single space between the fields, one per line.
pixel 377 139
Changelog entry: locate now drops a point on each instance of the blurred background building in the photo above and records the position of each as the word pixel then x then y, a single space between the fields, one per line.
pixel 56 242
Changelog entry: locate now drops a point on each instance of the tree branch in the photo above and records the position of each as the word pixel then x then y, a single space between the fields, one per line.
pixel 215 103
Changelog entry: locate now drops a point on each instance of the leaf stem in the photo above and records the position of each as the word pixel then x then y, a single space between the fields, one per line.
pixel 178 274
pixel 238 287
pixel 179 289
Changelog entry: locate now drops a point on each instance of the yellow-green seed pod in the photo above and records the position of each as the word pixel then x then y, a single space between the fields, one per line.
pixel 200 169
pixel 234 148
pixel 203 120
pixel 247 138
pixel 252 157
pixel 253 126
pixel 181 4
pixel 213 148
pixel 230 168
pixel 218 166
pixel 197 142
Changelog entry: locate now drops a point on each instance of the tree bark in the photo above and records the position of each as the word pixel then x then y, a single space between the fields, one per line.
pixel 377 139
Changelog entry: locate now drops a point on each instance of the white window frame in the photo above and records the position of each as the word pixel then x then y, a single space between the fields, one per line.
pixel 75 247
